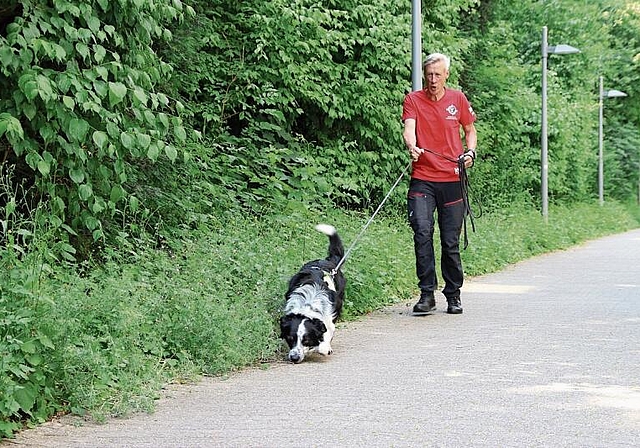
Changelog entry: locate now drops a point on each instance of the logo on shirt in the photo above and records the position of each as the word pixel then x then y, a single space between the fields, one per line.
pixel 452 110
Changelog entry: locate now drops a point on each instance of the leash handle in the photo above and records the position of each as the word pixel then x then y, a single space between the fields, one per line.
pixel 353 243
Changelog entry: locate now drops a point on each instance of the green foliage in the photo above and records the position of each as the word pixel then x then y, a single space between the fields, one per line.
pixel 103 341
pixel 621 159
pixel 319 84
pixel 298 105
pixel 27 388
pixel 81 104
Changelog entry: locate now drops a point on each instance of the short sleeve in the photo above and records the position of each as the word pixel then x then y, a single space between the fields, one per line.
pixel 467 116
pixel 408 108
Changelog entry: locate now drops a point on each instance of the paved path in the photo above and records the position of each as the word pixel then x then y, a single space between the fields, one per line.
pixel 546 354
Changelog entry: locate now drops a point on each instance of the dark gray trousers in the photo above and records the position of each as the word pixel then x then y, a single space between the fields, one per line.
pixel 424 199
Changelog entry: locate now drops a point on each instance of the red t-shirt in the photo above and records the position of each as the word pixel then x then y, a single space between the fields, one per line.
pixel 438 130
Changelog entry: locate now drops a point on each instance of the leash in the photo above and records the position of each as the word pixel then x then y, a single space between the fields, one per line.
pixel 346 255
pixel 464 187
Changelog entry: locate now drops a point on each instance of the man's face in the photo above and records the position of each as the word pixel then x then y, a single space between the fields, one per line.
pixel 436 75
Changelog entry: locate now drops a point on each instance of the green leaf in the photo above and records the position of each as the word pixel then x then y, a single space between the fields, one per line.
pixel 171 152
pixel 93 23
pixel 117 92
pixel 100 138
pixel 153 152
pixel 13 127
pixel 99 53
pixel 164 119
pixel 28 347
pixel 77 175
pixel 98 206
pixel 113 130
pixel 140 95
pixel 97 234
pixel 30 110
pixel 103 73
pixel 104 4
pixel 180 133
pixel 163 99
pixel 29 86
pixel 45 341
pixel 85 192
pixel 144 140
pixel 150 118
pixel 78 129
pixel 117 194
pixel 83 50
pixel 45 89
pixel 127 140
pixel 44 167
pixel 25 396
pixel 134 203
pixel 34 360
pixel 68 102
pixel 7 58
pixel 91 222
pixel 60 52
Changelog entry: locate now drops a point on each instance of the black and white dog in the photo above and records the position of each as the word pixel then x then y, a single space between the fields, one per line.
pixel 314 302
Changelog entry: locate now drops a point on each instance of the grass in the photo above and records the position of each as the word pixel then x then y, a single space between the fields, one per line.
pixel 209 304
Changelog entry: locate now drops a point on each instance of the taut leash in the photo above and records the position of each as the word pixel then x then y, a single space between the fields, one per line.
pixel 346 255
pixel 464 186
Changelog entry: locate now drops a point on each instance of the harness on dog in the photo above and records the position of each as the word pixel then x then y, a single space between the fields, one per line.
pixel 328 279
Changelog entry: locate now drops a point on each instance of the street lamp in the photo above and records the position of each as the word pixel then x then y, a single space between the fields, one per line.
pixel 546 51
pixel 603 94
pixel 416 44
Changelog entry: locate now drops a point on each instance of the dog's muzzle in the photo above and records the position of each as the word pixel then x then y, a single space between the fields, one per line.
pixel 296 356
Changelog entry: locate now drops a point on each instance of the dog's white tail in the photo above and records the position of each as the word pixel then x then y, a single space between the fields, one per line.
pixel 326 229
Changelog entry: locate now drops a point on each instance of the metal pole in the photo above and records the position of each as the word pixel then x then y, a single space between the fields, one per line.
pixel 416 44
pixel 544 150
pixel 600 144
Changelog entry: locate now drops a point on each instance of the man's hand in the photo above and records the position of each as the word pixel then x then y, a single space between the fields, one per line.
pixel 469 158
pixel 415 153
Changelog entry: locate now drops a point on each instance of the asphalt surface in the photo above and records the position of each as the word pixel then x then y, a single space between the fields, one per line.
pixel 546 354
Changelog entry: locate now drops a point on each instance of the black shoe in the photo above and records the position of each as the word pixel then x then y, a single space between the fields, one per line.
pixel 454 305
pixel 426 304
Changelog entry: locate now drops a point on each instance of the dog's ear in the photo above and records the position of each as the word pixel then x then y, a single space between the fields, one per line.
pixel 285 325
pixel 319 325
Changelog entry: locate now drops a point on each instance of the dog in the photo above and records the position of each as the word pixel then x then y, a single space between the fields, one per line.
pixel 314 302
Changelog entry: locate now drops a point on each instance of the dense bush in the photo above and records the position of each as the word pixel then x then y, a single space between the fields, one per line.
pixel 80 105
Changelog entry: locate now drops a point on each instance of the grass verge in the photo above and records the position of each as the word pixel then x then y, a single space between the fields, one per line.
pixel 109 338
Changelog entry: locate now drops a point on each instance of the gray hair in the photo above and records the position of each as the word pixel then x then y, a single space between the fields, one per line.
pixel 437 57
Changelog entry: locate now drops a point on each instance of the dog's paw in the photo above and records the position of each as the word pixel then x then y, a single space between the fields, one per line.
pixel 325 349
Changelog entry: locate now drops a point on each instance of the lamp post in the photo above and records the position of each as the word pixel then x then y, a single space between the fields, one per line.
pixel 546 51
pixel 603 94
pixel 416 44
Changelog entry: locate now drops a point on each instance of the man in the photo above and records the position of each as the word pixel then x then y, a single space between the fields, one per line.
pixel 432 120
